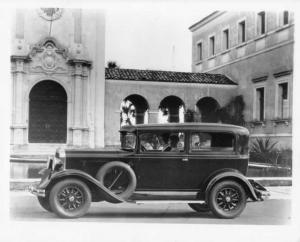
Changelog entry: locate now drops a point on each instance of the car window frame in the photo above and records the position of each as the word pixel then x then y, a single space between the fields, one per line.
pixel 211 151
pixel 138 148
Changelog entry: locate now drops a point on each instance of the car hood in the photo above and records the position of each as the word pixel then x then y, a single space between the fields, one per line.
pixel 102 152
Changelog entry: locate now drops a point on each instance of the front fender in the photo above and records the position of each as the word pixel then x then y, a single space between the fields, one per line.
pixel 231 175
pixel 68 173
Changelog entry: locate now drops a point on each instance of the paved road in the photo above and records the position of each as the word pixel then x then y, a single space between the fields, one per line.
pixel 275 211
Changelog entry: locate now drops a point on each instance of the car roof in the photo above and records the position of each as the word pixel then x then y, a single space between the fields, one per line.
pixel 186 126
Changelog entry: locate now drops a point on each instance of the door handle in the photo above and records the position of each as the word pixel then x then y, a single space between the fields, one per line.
pixel 185 159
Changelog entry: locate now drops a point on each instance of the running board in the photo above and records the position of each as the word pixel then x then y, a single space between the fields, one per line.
pixel 165 201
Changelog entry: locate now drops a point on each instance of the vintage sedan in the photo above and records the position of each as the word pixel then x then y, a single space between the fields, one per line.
pixel 199 164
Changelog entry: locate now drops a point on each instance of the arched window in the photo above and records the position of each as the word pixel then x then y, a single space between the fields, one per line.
pixel 134 110
pixel 208 108
pixel 171 110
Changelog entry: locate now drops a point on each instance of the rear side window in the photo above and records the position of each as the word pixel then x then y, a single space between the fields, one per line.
pixel 212 141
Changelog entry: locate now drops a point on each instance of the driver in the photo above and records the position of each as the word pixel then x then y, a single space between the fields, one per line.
pixel 164 141
pixel 173 142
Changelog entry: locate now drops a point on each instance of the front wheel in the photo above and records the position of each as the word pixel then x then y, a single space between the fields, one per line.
pixel 227 199
pixel 70 198
pixel 44 202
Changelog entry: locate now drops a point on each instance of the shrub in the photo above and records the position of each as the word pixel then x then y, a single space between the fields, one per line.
pixel 189 116
pixel 265 151
pixel 285 158
pixel 232 113
pixel 112 64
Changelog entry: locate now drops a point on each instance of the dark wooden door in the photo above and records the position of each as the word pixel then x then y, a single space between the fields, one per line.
pixel 47 113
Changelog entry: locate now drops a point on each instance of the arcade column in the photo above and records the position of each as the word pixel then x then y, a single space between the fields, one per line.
pixel 19 126
pixel 79 129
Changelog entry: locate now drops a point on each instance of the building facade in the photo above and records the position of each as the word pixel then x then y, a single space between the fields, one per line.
pixel 57 63
pixel 63 96
pixel 254 49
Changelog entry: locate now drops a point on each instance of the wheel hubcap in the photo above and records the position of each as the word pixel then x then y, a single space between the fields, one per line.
pixel 228 199
pixel 71 197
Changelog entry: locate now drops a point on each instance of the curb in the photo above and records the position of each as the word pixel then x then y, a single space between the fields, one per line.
pixel 22 184
pixel 273 181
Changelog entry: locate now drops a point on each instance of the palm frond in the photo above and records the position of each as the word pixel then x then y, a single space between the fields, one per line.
pixel 264 150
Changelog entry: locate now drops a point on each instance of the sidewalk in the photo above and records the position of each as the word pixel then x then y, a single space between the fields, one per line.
pixel 282 192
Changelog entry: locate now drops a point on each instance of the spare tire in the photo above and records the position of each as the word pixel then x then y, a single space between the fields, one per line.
pixel 117 177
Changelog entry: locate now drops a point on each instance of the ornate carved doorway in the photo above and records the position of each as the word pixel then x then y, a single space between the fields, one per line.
pixel 47 113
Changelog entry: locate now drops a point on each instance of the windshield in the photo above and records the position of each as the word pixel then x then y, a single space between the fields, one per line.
pixel 128 141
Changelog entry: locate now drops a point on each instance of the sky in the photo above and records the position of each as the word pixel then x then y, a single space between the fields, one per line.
pixel 151 37
pixel 155 34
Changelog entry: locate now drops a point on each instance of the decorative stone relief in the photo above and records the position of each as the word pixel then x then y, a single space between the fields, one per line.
pixel 50 14
pixel 48 57
pixel 78 51
pixel 20 47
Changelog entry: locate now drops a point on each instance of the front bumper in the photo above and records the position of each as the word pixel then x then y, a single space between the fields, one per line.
pixel 260 191
pixel 37 191
pixel 40 189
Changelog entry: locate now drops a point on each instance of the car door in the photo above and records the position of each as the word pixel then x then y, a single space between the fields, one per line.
pixel 208 152
pixel 159 167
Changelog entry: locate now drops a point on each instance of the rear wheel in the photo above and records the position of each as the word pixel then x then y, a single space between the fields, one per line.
pixel 199 207
pixel 227 199
pixel 70 198
pixel 118 177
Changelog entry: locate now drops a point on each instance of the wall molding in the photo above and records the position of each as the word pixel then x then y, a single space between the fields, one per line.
pixel 260 79
pixel 271 135
pixel 282 73
pixel 156 83
pixel 252 55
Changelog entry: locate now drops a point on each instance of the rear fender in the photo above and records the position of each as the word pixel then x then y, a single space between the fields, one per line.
pixel 89 180
pixel 235 176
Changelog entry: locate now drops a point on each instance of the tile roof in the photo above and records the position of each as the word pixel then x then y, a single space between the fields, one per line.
pixel 166 76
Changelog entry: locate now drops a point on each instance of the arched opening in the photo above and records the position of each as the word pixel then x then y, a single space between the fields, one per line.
pixel 134 110
pixel 47 113
pixel 171 110
pixel 208 108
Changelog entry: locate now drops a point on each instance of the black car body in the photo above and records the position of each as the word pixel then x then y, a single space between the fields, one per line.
pixel 201 164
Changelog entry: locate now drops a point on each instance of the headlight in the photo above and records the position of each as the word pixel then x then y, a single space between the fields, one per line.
pixel 60 153
pixel 59 159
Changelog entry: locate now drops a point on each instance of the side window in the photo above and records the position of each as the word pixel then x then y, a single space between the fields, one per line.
pixel 212 141
pixel 201 141
pixel 243 144
pixel 162 142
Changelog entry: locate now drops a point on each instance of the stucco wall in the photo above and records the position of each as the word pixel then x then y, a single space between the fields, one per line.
pixel 260 56
pixel 154 92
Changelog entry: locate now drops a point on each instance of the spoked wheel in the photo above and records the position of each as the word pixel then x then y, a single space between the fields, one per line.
pixel 118 177
pixel 227 199
pixel 44 202
pixel 199 207
pixel 70 198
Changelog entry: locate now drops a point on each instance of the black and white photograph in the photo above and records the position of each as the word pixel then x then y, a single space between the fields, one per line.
pixel 130 117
